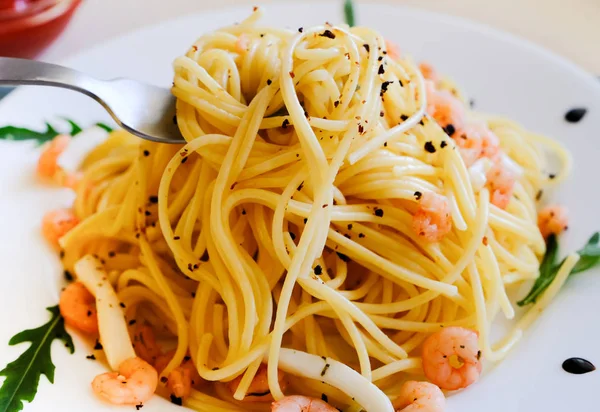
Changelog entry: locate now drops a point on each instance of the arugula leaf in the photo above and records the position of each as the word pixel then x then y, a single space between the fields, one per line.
pixel 104 126
pixel 349 13
pixel 23 374
pixel 589 257
pixel 21 133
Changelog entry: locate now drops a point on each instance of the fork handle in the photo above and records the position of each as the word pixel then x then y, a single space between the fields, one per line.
pixel 15 72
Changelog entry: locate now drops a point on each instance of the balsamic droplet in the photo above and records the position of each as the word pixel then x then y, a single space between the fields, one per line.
pixel 578 366
pixel 576 114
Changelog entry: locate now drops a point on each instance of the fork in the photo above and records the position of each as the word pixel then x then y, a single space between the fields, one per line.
pixel 144 110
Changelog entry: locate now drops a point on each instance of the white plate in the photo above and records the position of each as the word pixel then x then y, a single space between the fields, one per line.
pixel 503 74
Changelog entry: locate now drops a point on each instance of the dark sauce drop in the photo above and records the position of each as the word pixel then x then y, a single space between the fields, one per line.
pixel 578 366
pixel 576 114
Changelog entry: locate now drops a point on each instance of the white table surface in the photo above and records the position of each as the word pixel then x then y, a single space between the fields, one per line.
pixel 570 28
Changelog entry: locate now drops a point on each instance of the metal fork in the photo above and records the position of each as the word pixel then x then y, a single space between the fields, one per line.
pixel 142 109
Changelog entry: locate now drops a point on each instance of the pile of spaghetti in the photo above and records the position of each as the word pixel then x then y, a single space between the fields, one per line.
pixel 334 207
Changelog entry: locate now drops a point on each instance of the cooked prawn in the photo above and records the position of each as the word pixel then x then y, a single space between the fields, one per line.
pixel 552 220
pixel 182 378
pixel 78 307
pixel 297 403
pixel 501 182
pixel 420 397
pixel 428 72
pixel 56 224
pixel 446 109
pixel 145 344
pixel 432 221
pixel 451 358
pixel 133 384
pixel 258 391
pixel 47 166
pixel 476 141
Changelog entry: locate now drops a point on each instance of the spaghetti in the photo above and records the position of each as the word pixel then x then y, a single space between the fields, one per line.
pixel 322 218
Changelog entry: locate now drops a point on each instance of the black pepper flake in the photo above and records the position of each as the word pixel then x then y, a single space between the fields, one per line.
pixel 184 160
pixel 418 195
pixel 132 322
pixel 146 153
pixel 539 194
pixel 324 371
pixel 443 144
pixel 176 400
pixel 381 69
pixel 449 129
pixel 361 235
pixel 403 117
pixel 91 357
pixel 285 123
pixel 139 406
pixel 269 81
pixel 343 257
pixel 328 33
pixel 121 304
pixel 324 398
pixel 318 270
pixel 378 212
pixel 300 186
pixel 98 345
pixel 429 147
pixel 576 114
pixel 301 29
pixel 68 276
pixel 336 103
pixel 176 237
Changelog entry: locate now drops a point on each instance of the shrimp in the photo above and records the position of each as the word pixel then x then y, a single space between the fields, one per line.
pixel 133 384
pixel 182 378
pixel 297 403
pixel 145 344
pixel 47 166
pixel 432 221
pixel 476 141
pixel 501 182
pixel 56 224
pixel 78 306
pixel 258 391
pixel 552 220
pixel 451 358
pixel 446 109
pixel 428 72
pixel 420 397
pixel 392 50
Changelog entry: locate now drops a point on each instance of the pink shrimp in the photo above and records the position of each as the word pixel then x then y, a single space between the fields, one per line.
pixel 428 72
pixel 56 224
pixel 432 221
pixel 182 378
pixel 145 345
pixel 476 141
pixel 451 358
pixel 500 182
pixel 446 109
pixel 297 403
pixel 420 397
pixel 258 391
pixel 392 50
pixel 133 384
pixel 552 220
pixel 78 307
